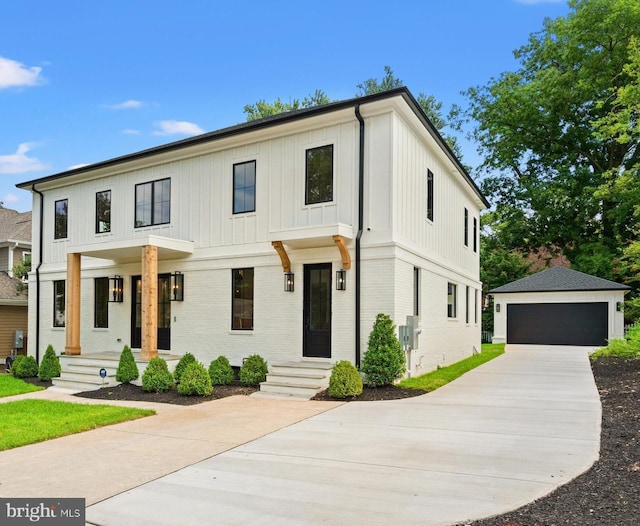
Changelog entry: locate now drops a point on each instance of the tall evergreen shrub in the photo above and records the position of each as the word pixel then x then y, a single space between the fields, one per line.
pixel 383 362
pixel 186 359
pixel 127 369
pixel 49 366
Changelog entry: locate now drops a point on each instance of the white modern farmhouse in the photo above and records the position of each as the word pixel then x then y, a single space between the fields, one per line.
pixel 282 237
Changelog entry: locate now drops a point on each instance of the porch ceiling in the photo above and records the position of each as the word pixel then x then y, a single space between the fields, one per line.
pixel 129 250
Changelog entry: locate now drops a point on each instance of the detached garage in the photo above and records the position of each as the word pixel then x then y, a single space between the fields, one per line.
pixel 558 306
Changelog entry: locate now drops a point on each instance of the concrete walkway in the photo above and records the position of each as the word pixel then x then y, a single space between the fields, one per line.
pixel 501 436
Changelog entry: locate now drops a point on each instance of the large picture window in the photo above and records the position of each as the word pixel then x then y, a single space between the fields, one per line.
pixel 242 299
pixel 60 220
pixel 59 300
pixel 429 195
pixel 452 300
pixel 319 175
pixel 103 212
pixel 101 303
pixel 153 203
pixel 244 187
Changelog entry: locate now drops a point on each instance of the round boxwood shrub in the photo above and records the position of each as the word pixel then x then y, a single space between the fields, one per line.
pixel 24 367
pixel 187 359
pixel 254 370
pixel 195 380
pixel 156 376
pixel 221 372
pixel 383 362
pixel 345 381
pixel 127 369
pixel 49 366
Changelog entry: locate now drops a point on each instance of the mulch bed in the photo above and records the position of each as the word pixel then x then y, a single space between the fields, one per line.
pixel 372 394
pixel 608 494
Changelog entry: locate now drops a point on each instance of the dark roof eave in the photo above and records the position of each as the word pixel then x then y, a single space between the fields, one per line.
pixel 621 288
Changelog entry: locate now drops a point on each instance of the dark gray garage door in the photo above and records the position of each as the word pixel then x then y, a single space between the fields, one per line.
pixel 557 323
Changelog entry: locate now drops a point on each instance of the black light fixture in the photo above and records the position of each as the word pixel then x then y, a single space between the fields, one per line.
pixel 177 286
pixel 341 279
pixel 288 282
pixel 116 286
pixel 497 307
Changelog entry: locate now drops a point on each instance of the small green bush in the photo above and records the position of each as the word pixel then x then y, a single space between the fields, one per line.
pixel 187 359
pixel 195 380
pixel 221 372
pixel 49 366
pixel 621 348
pixel 254 370
pixel 156 376
pixel 384 361
pixel 127 369
pixel 345 381
pixel 24 367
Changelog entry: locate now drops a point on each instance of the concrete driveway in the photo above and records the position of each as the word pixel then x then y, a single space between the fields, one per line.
pixel 501 436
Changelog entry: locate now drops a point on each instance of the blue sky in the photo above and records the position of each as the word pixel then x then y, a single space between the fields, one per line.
pixel 85 81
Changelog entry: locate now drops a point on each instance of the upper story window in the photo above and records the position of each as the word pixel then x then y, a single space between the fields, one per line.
pixel 319 175
pixel 60 222
pixel 466 227
pixel 153 203
pixel 244 187
pixel 452 300
pixel 103 212
pixel 59 303
pixel 475 234
pixel 429 195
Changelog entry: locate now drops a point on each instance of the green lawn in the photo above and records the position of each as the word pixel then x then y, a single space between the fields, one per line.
pixel 30 421
pixel 435 379
pixel 10 386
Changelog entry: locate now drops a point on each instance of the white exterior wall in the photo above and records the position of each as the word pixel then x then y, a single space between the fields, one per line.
pixel 616 319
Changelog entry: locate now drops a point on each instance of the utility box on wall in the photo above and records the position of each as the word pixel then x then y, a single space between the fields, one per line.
pixel 18 340
pixel 408 334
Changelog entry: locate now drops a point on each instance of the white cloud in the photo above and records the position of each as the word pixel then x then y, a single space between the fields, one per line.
pixel 130 104
pixel 14 74
pixel 10 198
pixel 20 162
pixel 130 131
pixel 533 2
pixel 177 128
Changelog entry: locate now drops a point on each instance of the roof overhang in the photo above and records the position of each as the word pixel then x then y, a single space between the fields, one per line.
pixel 129 250
pixel 312 237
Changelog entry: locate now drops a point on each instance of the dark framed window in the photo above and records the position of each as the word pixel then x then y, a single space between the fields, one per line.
pixel 475 234
pixel 467 305
pixel 59 304
pixel 244 187
pixel 60 222
pixel 475 306
pixel 416 291
pixel 466 227
pixel 101 303
pixel 429 195
pixel 452 300
pixel 103 212
pixel 153 203
pixel 319 175
pixel 242 299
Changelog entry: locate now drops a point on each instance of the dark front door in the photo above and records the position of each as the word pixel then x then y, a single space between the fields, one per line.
pixel 317 311
pixel 164 312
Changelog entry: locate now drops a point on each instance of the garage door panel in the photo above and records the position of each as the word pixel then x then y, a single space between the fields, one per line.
pixel 557 323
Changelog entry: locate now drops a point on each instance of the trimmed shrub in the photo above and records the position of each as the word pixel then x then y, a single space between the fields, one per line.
pixel 156 376
pixel 254 370
pixel 127 369
pixel 384 361
pixel 49 366
pixel 187 359
pixel 221 372
pixel 345 381
pixel 195 380
pixel 24 367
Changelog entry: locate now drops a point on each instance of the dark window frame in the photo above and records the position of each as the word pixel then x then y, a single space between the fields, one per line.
pixel 475 306
pixel 59 303
pixel 61 219
pixel 467 309
pixel 321 198
pixel 139 222
pixel 416 291
pixel 104 218
pixel 240 300
pixel 245 209
pixel 452 300
pixel 101 303
pixel 429 195
pixel 466 227
pixel 475 234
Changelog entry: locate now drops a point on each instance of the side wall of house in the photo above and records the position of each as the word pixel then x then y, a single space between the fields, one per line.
pixel 12 318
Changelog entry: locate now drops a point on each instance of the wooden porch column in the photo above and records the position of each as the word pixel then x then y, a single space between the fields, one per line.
pixel 72 307
pixel 149 302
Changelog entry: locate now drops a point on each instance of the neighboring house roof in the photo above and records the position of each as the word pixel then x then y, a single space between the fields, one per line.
pixel 14 225
pixel 275 120
pixel 558 279
pixel 8 290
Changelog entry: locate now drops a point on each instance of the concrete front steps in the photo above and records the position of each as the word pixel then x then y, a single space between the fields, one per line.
pixel 82 372
pixel 295 380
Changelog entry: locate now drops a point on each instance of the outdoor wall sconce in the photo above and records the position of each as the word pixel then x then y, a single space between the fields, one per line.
pixel 116 286
pixel 619 306
pixel 341 279
pixel 288 282
pixel 177 286
pixel 497 307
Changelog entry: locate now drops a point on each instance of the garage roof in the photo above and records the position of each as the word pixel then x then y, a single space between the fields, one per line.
pixel 558 279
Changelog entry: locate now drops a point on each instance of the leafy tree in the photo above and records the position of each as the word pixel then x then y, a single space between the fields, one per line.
pixel 536 130
pixel 262 108
pixel 21 271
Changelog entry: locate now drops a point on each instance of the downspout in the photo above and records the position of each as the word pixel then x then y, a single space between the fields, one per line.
pixel 360 223
pixel 40 245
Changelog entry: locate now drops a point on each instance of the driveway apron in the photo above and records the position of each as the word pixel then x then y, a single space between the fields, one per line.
pixel 500 436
